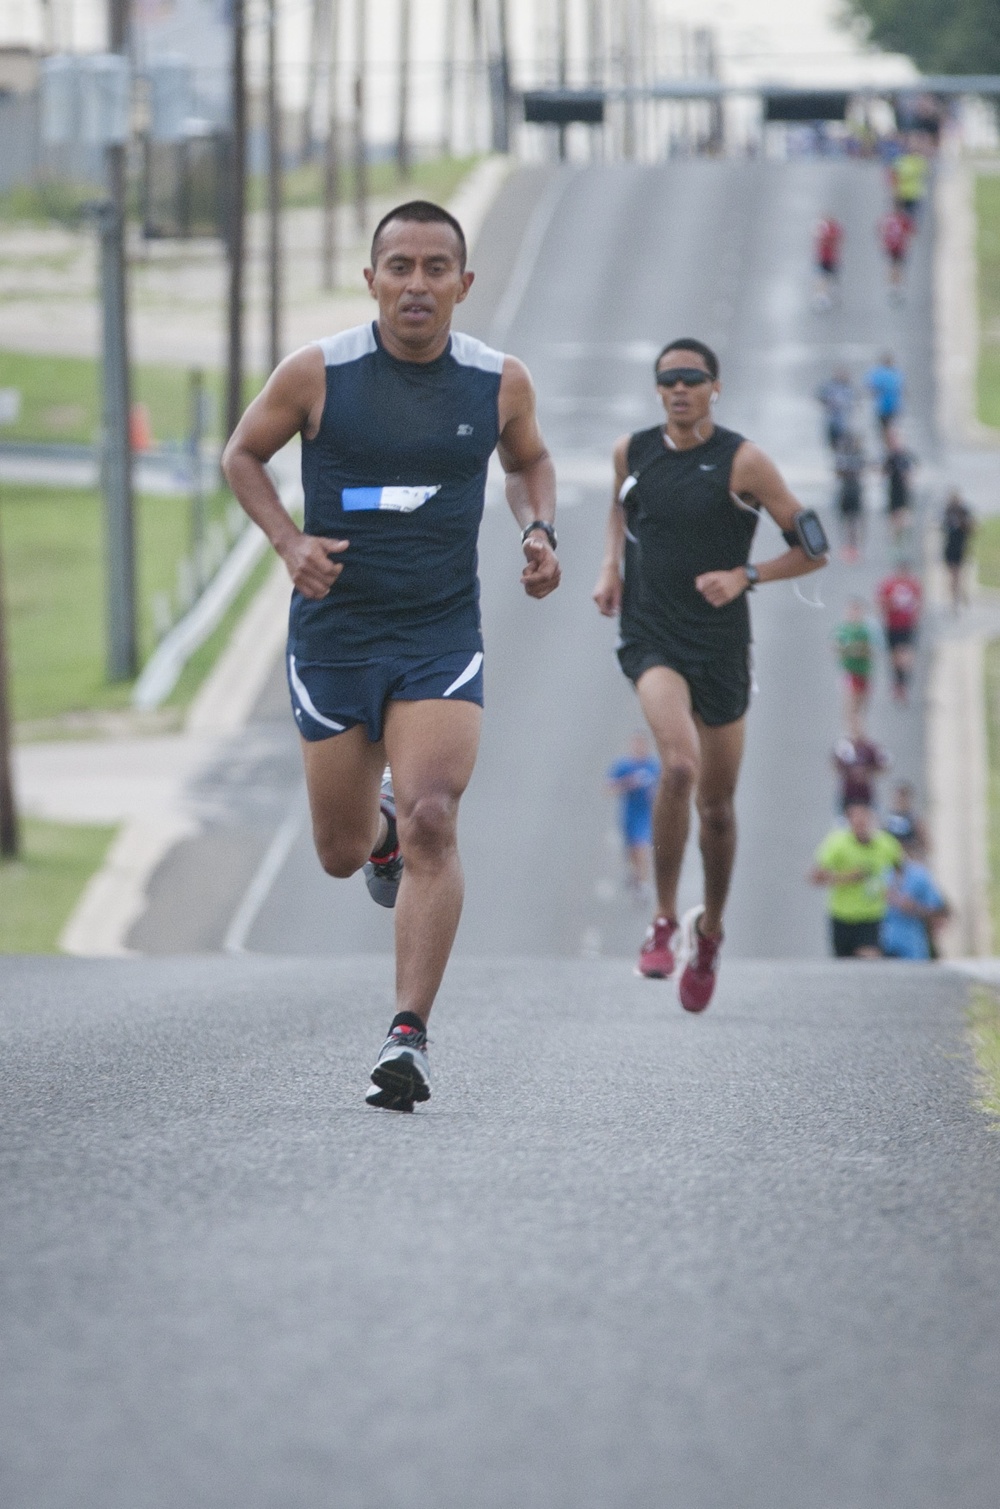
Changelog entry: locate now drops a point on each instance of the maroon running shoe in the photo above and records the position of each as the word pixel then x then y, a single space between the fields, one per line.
pixel 656 957
pixel 701 962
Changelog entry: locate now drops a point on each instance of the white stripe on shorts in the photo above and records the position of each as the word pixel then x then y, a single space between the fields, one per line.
pixel 466 675
pixel 308 706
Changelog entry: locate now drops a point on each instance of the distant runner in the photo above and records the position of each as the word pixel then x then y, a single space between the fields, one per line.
pixel 958 525
pixel 828 243
pixel 900 597
pixel 909 183
pixel 915 907
pixel 849 463
pixel 398 420
pixel 885 383
pixel 857 864
pixel 682 521
pixel 634 779
pixel 898 467
pixel 855 644
pixel 858 762
pixel 896 233
pixel 838 398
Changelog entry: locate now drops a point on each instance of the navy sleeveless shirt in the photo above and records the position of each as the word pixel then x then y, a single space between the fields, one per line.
pixel 681 520
pixel 398 468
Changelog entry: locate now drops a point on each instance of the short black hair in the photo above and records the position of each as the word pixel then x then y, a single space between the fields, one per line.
pixel 426 213
pixel 688 343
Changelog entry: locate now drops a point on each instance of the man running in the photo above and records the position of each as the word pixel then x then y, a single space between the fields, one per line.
pixel 900 597
pixel 898 467
pixel 828 240
pixel 857 863
pixel 398 420
pixel 885 383
pixel 837 397
pixel 682 521
pixel 855 647
pixel 896 231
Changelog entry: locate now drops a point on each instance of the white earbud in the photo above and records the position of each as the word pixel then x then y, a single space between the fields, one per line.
pixel 714 398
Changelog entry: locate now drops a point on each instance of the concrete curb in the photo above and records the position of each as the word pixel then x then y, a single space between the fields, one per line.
pixel 957 757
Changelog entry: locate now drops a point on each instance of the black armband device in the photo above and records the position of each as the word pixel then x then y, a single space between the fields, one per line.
pixel 808 533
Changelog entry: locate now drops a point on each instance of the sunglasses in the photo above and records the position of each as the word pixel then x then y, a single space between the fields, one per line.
pixel 691 377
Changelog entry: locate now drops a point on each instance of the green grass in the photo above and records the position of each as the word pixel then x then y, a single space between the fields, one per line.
pixel 53 560
pixel 39 890
pixel 992 690
pixel 436 179
pixel 50 200
pixel 987 198
pixel 984 1034
pixel 61 397
pixel 986 548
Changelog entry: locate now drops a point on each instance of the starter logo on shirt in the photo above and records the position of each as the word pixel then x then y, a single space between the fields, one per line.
pixel 395 499
pixel 464 429
pixel 706 466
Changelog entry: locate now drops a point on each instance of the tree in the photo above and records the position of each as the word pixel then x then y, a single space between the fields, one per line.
pixel 942 36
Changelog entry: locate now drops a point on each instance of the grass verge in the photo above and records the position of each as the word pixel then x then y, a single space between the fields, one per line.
pixel 986 548
pixel 987 200
pixel 61 398
pixel 992 691
pixel 39 891
pixel 984 1034
pixel 53 564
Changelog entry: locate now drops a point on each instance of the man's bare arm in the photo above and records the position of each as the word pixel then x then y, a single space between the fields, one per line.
pixel 530 482
pixel 757 481
pixel 291 403
pixel 607 593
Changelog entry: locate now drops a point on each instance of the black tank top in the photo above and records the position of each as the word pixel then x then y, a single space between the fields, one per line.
pixel 681 520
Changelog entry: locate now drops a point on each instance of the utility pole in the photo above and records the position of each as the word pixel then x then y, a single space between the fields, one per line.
pixel 501 135
pixel 360 145
pixel 319 27
pixel 237 217
pixel 10 837
pixel 403 98
pixel 122 648
pixel 448 77
pixel 562 68
pixel 274 194
pixel 331 157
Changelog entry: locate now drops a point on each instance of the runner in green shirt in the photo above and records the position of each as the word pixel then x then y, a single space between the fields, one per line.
pixel 857 863
pixel 854 642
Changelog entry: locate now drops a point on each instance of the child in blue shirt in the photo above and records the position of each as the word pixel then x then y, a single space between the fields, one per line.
pixel 915 905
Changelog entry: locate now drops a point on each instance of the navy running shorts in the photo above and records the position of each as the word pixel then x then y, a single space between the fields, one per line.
pixel 327 699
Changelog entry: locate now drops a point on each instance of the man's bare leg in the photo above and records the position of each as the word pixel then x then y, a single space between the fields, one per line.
pixel 343 775
pixel 432 749
pixel 721 753
pixel 666 703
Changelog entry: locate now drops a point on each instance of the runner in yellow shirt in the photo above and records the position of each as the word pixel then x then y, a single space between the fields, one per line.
pixel 857 863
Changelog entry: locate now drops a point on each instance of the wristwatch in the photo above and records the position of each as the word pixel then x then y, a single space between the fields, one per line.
pixel 547 530
pixel 753 576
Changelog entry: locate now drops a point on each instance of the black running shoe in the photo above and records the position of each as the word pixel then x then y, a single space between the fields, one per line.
pixel 402 1070
pixel 384 872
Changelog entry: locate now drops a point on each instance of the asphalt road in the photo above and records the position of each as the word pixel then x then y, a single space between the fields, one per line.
pixel 584 274
pixel 623 1259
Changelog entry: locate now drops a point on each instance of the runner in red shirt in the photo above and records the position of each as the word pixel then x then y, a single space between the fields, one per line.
pixel 896 232
pixel 828 240
pixel 900 599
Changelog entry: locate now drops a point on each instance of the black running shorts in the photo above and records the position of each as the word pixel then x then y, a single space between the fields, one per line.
pixel 848 937
pixel 719 686
pixel 897 638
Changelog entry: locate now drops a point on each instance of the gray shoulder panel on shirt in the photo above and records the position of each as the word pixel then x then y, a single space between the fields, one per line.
pixel 348 346
pixel 469 352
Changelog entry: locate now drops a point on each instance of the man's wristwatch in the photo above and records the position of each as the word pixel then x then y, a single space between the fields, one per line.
pixel 753 577
pixel 547 530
